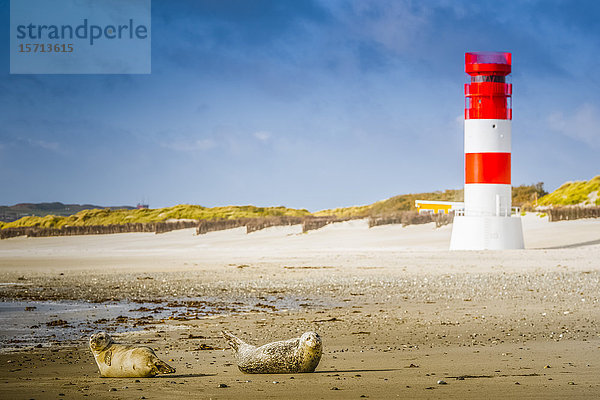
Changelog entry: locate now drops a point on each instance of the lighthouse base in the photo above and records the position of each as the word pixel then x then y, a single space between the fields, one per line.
pixel 486 233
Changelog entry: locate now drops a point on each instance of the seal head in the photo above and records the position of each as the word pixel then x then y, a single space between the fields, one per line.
pixel 311 347
pixel 100 341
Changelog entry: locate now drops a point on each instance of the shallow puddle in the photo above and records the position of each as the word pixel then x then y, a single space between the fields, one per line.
pixel 25 324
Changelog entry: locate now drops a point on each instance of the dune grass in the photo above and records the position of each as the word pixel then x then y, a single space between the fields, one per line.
pixel 405 202
pixel 182 211
pixel 574 193
pixel 525 196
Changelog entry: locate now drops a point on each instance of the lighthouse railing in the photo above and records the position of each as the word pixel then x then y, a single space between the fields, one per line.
pixel 500 212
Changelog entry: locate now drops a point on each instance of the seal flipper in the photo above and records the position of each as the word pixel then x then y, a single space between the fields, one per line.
pixel 233 340
pixel 163 367
pixel 108 358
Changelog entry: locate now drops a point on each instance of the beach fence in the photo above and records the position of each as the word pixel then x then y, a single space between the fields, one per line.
pixel 212 225
pixel 156 227
pixel 308 223
pixel 571 213
pixel 406 218
pixel 255 224
pixel 251 224
pixel 313 223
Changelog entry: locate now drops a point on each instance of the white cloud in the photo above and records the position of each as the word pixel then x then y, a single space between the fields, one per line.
pixel 583 124
pixel 53 146
pixel 262 136
pixel 193 145
pixel 395 24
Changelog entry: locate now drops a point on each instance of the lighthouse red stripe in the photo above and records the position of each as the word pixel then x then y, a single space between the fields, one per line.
pixel 487 168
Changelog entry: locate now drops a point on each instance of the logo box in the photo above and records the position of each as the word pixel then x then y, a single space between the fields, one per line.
pixel 80 37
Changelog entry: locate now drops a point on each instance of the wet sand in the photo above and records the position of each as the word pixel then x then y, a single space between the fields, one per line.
pixel 397 312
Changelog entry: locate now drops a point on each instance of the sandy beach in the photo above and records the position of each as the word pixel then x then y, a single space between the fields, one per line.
pixel 397 312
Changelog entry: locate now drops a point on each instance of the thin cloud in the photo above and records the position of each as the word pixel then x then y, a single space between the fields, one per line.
pixel 263 136
pixel 189 146
pixel 583 124
pixel 52 146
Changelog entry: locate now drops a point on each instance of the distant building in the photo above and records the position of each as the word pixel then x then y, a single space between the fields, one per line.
pixel 438 207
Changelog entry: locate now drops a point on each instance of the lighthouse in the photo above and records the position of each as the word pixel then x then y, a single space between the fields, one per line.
pixel 487 223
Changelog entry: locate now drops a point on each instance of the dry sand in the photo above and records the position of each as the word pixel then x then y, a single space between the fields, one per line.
pixel 397 312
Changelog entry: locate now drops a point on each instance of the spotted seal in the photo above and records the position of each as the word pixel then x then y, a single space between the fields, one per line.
pixel 291 356
pixel 120 361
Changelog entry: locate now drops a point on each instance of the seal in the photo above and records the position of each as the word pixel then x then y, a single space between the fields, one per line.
pixel 291 356
pixel 120 361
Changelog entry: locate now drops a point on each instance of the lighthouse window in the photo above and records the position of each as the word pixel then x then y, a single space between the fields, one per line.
pixel 494 126
pixel 488 78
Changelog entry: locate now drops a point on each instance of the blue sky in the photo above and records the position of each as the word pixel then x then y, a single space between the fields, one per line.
pixel 307 104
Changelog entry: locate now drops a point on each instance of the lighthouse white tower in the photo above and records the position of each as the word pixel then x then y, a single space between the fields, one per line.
pixel 487 223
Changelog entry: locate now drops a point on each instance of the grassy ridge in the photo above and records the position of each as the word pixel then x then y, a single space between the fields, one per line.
pixel 574 193
pixel 525 196
pixel 404 202
pixel 183 211
pixel 570 193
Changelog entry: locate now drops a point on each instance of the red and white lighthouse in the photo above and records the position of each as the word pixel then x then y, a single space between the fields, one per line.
pixel 487 222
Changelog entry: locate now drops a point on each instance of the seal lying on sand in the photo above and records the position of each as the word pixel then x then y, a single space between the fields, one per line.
pixel 284 357
pixel 120 361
